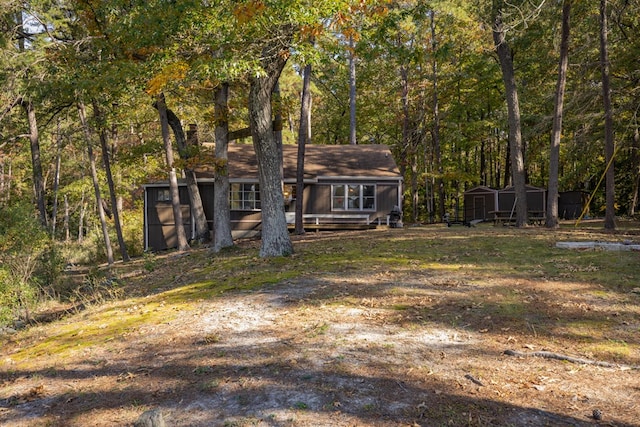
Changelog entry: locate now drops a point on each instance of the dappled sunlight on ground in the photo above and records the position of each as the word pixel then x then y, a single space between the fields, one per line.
pixel 382 328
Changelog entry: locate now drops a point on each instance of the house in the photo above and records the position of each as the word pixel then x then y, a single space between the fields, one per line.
pixel 344 186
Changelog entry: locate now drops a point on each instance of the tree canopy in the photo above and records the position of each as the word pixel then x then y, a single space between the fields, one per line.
pixel 429 85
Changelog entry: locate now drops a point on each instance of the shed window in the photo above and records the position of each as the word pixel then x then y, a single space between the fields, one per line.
pixel 164 195
pixel 353 197
pixel 245 197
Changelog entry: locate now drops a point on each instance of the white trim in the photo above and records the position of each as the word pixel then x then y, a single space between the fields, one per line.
pixel 360 178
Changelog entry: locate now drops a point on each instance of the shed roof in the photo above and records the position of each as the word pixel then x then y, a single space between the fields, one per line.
pixel 529 189
pixel 364 161
pixel 481 189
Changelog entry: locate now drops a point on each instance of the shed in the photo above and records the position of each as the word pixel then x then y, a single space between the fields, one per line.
pixel 536 199
pixel 478 202
pixel 344 185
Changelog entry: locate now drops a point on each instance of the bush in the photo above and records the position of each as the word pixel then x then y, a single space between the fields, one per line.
pixel 29 262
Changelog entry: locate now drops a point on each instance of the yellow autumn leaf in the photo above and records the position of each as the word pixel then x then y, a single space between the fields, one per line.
pixel 171 73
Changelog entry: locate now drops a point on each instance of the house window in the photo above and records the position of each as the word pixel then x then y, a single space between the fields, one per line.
pixel 164 195
pixel 353 197
pixel 245 197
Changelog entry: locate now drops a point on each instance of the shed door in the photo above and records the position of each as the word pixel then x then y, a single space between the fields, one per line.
pixel 478 207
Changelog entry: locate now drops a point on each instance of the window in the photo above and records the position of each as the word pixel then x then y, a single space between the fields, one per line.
pixel 164 195
pixel 245 197
pixel 353 197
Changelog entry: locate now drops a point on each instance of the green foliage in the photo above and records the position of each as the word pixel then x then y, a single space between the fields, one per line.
pixel 29 262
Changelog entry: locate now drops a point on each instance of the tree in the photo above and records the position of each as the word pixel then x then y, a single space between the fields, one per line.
pixel 352 92
pixel 304 136
pixel 556 132
pixel 186 155
pixel 36 163
pixel 96 185
pixel 513 107
pixel 609 143
pixel 106 162
pixel 222 236
pixel 275 236
pixel 181 236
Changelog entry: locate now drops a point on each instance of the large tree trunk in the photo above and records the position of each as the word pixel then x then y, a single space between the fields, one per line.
pixel 36 162
pixel 197 210
pixel 556 132
pixel 222 237
pixel 112 188
pixel 96 185
pixel 181 235
pixel 275 235
pixel 609 144
pixel 436 118
pixel 513 107
pixel 304 136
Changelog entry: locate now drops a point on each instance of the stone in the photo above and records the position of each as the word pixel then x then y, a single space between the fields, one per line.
pixel 151 418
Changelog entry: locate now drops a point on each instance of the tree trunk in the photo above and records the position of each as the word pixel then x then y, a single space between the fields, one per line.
pixel 513 107
pixel 436 119
pixel 609 143
pixel 635 158
pixel 65 224
pixel 96 185
pixel 112 188
pixel 304 136
pixel 36 162
pixel 83 209
pixel 556 132
pixel 275 235
pixel 352 92
pixel 222 236
pixel 197 210
pixel 183 245
pixel 56 182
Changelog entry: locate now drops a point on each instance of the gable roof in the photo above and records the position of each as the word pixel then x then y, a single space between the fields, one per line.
pixel 321 161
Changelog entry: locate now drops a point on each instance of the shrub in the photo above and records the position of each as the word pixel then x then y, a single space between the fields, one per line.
pixel 29 261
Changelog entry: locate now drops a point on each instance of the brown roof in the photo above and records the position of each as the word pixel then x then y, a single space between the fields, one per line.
pixel 370 160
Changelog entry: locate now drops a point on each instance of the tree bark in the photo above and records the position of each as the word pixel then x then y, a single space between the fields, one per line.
pixel 436 118
pixel 303 138
pixel 635 161
pixel 556 132
pixel 513 107
pixel 36 162
pixel 609 143
pixel 352 92
pixel 222 236
pixel 181 235
pixel 275 235
pixel 65 224
pixel 197 210
pixel 83 209
pixel 112 188
pixel 96 185
pixel 56 182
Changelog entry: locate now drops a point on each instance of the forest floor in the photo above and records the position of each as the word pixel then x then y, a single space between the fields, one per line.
pixel 387 327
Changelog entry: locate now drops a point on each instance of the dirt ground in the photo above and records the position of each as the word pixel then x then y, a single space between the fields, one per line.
pixel 412 347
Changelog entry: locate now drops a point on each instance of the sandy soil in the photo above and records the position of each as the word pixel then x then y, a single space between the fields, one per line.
pixel 412 348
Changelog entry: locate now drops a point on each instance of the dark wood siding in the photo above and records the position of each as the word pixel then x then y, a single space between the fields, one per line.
pixel 160 221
